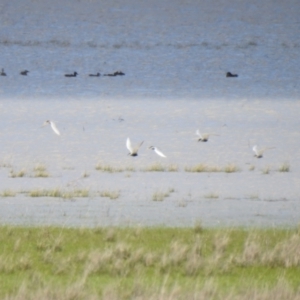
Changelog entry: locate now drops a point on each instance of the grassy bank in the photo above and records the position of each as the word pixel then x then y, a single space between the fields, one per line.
pixel 149 263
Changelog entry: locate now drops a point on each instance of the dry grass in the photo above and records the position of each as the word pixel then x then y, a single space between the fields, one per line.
pixel 266 170
pixel 15 174
pixel 110 194
pixel 59 193
pixel 172 168
pixel 285 167
pixel 149 263
pixel 8 193
pixel 230 168
pixel 38 171
pixel 251 168
pixel 211 196
pixel 160 195
pixel 110 169
pixel 156 167
pixel 85 174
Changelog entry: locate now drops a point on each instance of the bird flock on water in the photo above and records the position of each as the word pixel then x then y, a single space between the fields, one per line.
pixel 133 150
pixel 74 74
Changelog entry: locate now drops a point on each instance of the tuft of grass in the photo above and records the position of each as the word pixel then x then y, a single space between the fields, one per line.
pixel 58 193
pixel 211 196
pixel 40 171
pixel 160 196
pixel 266 170
pixel 172 168
pixel 110 169
pixel 110 194
pixel 15 174
pixel 39 168
pixel 156 167
pixel 4 164
pixel 251 168
pixel 198 168
pixel 85 174
pixel 231 168
pixel 285 167
pixel 8 193
pixel 198 227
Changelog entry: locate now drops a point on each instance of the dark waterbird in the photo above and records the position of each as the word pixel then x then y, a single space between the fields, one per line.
pixel 228 74
pixel 95 75
pixel 25 72
pixel 2 72
pixel 117 73
pixel 71 75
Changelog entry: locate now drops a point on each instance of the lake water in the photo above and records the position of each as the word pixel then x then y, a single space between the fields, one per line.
pixel 175 57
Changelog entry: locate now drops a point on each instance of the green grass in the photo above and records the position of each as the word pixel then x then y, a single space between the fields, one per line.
pixel 149 263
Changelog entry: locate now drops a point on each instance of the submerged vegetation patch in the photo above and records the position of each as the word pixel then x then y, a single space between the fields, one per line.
pixel 59 193
pixel 199 168
pixel 111 169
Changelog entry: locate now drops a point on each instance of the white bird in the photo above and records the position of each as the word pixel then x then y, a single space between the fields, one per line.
pixel 203 137
pixel 157 151
pixel 133 151
pixel 259 153
pixel 53 126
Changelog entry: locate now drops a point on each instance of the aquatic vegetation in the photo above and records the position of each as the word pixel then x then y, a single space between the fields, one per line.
pixel 160 195
pixel 231 168
pixel 251 168
pixel 85 174
pixel 8 193
pixel 266 170
pixel 110 194
pixel 211 196
pixel 156 167
pixel 285 167
pixel 15 174
pixel 199 168
pixel 59 193
pixel 110 169
pixel 40 171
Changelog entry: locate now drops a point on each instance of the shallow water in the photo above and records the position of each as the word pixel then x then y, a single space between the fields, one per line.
pixel 175 59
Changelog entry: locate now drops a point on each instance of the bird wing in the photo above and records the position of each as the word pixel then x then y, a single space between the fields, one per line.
pixel 158 152
pixel 199 134
pixel 128 145
pixel 254 148
pixel 136 149
pixel 53 126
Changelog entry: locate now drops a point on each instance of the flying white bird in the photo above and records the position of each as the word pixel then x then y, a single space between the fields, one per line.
pixel 53 126
pixel 157 151
pixel 133 151
pixel 259 153
pixel 203 137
